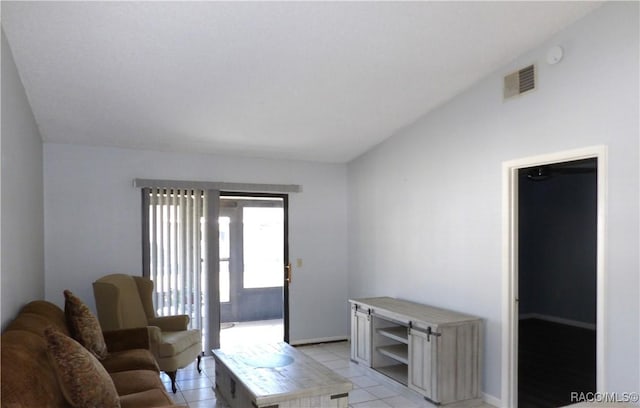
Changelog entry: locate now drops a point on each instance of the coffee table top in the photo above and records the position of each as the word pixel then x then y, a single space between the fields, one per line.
pixel 277 372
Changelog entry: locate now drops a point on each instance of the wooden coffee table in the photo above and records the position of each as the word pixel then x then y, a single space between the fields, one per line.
pixel 277 375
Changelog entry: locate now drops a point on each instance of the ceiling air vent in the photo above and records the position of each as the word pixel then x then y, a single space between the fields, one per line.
pixel 520 82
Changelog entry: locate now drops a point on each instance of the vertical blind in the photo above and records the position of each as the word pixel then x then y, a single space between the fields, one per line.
pixel 177 257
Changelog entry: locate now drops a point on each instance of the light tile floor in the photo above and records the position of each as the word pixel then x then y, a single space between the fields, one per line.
pixel 371 390
pixel 265 331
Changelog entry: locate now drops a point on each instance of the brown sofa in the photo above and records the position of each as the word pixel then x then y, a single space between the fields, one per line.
pixel 29 379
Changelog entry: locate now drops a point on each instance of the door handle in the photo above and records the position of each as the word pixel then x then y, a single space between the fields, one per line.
pixel 287 275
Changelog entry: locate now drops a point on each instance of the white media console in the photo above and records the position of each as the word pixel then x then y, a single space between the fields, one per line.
pixel 433 351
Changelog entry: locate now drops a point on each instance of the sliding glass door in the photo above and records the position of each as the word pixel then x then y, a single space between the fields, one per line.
pixel 221 259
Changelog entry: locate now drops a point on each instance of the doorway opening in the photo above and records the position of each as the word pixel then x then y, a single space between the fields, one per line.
pixel 557 231
pixel 553 229
pixel 253 257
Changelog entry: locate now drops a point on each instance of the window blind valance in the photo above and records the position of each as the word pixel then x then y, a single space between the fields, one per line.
pixel 218 185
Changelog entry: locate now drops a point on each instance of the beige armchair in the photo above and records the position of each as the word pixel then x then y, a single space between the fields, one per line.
pixel 125 302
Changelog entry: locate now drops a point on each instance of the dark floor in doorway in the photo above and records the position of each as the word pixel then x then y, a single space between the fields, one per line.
pixel 554 360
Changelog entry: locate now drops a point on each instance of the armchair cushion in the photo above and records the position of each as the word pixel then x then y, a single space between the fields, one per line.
pixel 84 326
pixel 83 380
pixel 174 343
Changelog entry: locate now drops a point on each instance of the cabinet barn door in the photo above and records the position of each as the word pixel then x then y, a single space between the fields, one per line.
pixel 422 364
pixel 361 336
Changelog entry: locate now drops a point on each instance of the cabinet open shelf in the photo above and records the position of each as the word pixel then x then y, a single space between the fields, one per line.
pixel 398 352
pixel 397 372
pixel 398 333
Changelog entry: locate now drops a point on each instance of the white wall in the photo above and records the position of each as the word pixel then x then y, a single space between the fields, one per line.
pixel 93 222
pixel 22 264
pixel 425 206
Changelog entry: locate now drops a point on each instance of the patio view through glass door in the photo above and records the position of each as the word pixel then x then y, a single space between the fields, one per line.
pixel 252 242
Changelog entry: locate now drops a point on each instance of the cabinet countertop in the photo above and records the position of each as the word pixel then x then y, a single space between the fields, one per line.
pixel 415 311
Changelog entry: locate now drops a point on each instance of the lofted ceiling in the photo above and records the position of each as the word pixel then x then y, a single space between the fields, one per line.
pixel 318 81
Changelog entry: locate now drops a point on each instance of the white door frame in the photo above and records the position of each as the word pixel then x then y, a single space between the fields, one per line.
pixel 510 263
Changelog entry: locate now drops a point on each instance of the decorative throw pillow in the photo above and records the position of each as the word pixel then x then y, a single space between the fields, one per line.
pixel 84 326
pixel 83 380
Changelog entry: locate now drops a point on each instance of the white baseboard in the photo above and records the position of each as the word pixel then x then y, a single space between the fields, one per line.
pixel 318 340
pixel 561 320
pixel 491 400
